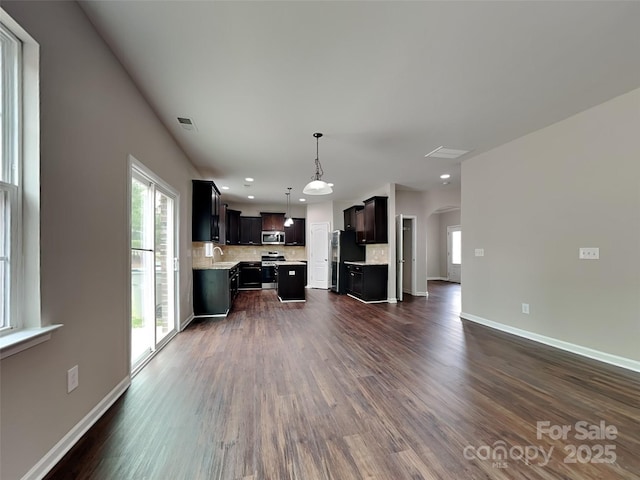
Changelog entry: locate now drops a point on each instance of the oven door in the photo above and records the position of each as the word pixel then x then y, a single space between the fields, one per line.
pixel 268 276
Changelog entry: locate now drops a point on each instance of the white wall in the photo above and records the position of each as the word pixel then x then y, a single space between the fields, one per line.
pixel 433 247
pixel 93 117
pixel 532 203
pixel 253 209
pixel 412 203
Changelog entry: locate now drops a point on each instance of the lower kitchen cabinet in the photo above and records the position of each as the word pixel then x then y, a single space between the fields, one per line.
pixel 250 275
pixel 291 282
pixel 214 291
pixel 367 282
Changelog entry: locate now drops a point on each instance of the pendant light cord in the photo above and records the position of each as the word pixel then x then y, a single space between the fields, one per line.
pixel 319 171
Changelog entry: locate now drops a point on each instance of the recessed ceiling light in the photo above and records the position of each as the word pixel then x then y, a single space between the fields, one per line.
pixel 442 152
pixel 303 199
pixel 248 179
pixel 224 187
pixel 444 176
pixel 251 197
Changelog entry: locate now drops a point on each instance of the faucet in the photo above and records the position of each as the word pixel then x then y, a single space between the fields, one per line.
pixel 214 251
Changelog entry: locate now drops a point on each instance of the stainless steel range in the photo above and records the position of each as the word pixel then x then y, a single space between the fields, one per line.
pixel 269 260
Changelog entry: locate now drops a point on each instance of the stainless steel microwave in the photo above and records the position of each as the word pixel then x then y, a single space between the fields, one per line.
pixel 273 238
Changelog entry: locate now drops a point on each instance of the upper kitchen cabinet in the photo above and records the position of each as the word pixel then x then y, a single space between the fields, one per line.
pixel 232 228
pixel 250 231
pixel 360 225
pixel 350 217
pixel 294 234
pixel 272 222
pixel 207 213
pixel 375 221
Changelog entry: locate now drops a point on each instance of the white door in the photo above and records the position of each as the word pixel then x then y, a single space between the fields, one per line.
pixel 319 256
pixel 399 256
pixel 454 253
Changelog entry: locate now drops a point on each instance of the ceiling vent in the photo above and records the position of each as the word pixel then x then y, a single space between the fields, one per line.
pixel 442 152
pixel 187 124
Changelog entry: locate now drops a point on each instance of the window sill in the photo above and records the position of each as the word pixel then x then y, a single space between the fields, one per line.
pixel 23 339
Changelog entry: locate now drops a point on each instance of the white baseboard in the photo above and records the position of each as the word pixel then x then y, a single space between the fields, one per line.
pixel 444 279
pixel 365 301
pixel 420 294
pixel 392 300
pixel 616 360
pixel 60 449
pixel 187 322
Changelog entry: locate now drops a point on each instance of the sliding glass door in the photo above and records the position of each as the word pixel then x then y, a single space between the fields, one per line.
pixel 153 265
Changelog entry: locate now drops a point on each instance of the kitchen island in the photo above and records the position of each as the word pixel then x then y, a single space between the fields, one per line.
pixel 291 280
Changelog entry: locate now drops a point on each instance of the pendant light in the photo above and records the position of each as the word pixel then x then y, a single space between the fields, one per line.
pixel 288 220
pixel 317 186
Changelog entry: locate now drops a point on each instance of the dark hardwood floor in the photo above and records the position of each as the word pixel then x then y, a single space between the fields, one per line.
pixel 336 389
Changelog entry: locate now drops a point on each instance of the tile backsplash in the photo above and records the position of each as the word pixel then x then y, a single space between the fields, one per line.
pixel 246 253
pixel 377 253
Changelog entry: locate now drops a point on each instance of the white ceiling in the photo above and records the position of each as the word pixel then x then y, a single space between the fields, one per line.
pixel 386 82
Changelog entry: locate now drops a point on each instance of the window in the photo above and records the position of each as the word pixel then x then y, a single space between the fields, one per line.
pixel 10 181
pixel 21 325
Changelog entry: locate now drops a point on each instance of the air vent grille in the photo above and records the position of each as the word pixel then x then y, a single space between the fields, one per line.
pixel 187 124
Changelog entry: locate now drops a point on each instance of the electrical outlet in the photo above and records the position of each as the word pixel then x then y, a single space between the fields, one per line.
pixel 590 253
pixel 525 308
pixel 72 379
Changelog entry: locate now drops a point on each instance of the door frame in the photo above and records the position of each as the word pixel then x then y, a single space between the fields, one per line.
pixel 452 228
pixel 134 163
pixel 400 287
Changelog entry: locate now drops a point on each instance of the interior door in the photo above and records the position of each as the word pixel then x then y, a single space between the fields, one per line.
pixel 408 267
pixel 319 255
pixel 454 253
pixel 399 256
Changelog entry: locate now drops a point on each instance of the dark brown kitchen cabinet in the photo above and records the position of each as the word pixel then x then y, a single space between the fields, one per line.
pixel 350 217
pixel 214 291
pixel 360 225
pixel 294 234
pixel 367 282
pixel 232 229
pixel 250 231
pixel 207 212
pixel 272 222
pixel 375 221
pixel 291 282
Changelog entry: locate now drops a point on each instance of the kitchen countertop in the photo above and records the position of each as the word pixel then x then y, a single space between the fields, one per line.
pixel 366 263
pixel 218 266
pixel 290 262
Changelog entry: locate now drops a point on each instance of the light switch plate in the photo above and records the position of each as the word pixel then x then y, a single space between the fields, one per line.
pixel 479 252
pixel 589 253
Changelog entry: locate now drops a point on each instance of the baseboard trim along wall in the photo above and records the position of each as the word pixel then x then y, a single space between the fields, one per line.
pixel 622 362
pixel 60 449
pixel 444 279
pixel 187 322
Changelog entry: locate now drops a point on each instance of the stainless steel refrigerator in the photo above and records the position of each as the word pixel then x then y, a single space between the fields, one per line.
pixel 343 249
